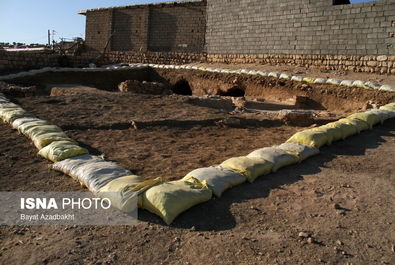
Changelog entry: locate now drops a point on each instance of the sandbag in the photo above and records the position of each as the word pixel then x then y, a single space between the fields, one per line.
pixel 123 191
pixel 346 83
pixel 41 129
pixel 387 88
pixel 345 129
pixel 373 85
pixel 302 151
pixel 332 134
pixel 320 81
pixel 278 157
pixel 250 167
pixel 8 115
pixel 309 137
pixel 42 140
pixel 91 171
pixel 297 78
pixel 19 122
pixel 389 107
pixel 27 126
pixel 308 79
pixel 9 105
pixel 333 81
pixel 368 117
pixel 60 150
pixel 383 114
pixel 218 178
pixel 358 124
pixel 169 199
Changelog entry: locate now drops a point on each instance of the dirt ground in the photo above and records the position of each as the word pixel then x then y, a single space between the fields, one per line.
pixel 342 199
pixel 386 79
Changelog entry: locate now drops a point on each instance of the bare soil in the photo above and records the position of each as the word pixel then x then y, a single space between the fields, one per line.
pixel 342 198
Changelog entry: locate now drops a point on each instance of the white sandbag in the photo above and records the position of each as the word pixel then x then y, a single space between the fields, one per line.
pixel 319 81
pixel 297 78
pixel 333 81
pixel 372 85
pixel 274 74
pixel 262 73
pixel 303 151
pixel 91 171
pixel 218 178
pixel 285 76
pixel 279 157
pixel 383 114
pixel 20 121
pixel 346 83
pixel 359 83
pixel 387 88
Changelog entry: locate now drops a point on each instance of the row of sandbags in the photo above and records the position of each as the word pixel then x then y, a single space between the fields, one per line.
pixel 169 199
pixel 348 83
pixel 114 67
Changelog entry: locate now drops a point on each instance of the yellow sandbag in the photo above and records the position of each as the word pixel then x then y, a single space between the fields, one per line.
pixel 10 114
pixel 370 118
pixel 275 155
pixel 169 199
pixel 25 127
pixel 41 129
pixel 358 124
pixel 309 137
pixel 124 191
pixel 346 130
pixel 389 107
pixel 308 79
pixel 333 134
pixel 60 150
pixel 42 140
pixel 251 167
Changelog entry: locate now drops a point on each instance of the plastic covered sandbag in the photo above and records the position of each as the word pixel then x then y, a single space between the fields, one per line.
pixel 123 191
pixel 345 129
pixel 250 167
pixel 359 83
pixel 368 117
pixel 320 81
pixel 19 122
pixel 333 81
pixel 8 115
pixel 387 88
pixel 308 79
pixel 333 134
pixel 27 126
pixel 297 78
pixel 309 137
pixel 389 107
pixel 40 129
pixel 302 151
pixel 42 140
pixel 169 199
pixel 346 83
pixel 91 171
pixel 218 178
pixel 359 125
pixel 383 114
pixel 372 85
pixel 60 150
pixel 278 157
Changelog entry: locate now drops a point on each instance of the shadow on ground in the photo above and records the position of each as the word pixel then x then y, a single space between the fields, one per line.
pixel 216 212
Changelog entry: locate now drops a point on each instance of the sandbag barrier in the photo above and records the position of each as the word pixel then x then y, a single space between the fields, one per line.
pixel 169 199
pixel 115 67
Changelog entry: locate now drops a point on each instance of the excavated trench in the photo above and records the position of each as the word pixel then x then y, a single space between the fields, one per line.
pixel 276 93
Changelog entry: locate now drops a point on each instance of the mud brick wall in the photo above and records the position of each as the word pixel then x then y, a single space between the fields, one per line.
pixel 176 27
pixel 98 29
pixel 300 27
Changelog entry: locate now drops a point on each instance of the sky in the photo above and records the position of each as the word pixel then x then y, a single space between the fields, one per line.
pixel 28 21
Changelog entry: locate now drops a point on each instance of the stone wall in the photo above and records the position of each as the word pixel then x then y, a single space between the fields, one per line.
pixel 24 60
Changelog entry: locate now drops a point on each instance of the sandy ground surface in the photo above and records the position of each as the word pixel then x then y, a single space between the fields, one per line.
pixel 385 79
pixel 342 199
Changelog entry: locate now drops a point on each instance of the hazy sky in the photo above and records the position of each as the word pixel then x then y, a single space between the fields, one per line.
pixel 28 20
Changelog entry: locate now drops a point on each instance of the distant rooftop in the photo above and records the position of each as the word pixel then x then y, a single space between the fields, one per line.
pixel 83 12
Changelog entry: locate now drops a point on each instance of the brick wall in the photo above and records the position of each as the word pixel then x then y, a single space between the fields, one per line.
pixel 300 27
pixel 157 27
pixel 179 28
